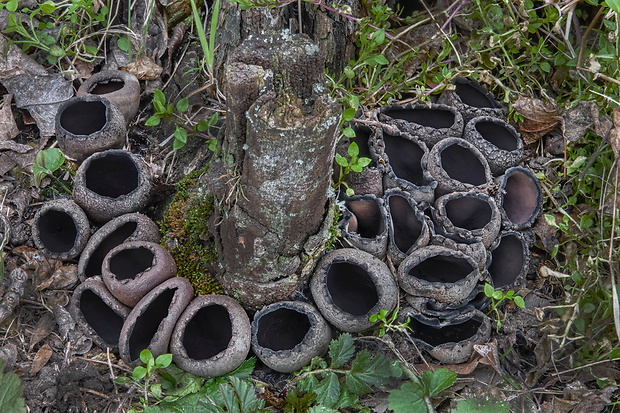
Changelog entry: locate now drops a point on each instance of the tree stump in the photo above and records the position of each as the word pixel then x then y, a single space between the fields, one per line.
pixel 276 163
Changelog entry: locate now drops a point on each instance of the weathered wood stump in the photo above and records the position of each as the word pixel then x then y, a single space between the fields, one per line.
pixel 276 163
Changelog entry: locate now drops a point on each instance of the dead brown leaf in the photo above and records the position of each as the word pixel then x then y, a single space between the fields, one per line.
pixel 41 358
pixel 539 118
pixel 65 276
pixel 44 327
pixel 15 62
pixel 583 117
pixel 35 261
pixel 144 68
pixel 8 127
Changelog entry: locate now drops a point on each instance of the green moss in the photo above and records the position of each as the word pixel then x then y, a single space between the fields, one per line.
pixel 186 236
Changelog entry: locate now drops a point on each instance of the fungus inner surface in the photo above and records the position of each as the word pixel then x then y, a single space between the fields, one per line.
pixel 405 158
pixel 498 135
pixel 507 261
pixel 208 333
pixel 368 215
pixel 520 198
pixel 84 118
pixel 351 288
pixel 435 118
pixel 472 96
pixel 406 226
pixel 114 239
pixel 148 322
pixel 469 212
pixel 129 263
pixel 112 175
pixel 57 231
pixel 282 329
pixel 103 319
pixel 101 88
pixel 442 268
pixel 463 165
pixel 452 333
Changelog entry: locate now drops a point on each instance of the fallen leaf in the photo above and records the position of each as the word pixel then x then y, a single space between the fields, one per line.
pixel 63 277
pixel 596 401
pixel 8 127
pixel 580 119
pixel 144 68
pixel 41 358
pixel 35 261
pixel 44 328
pixel 539 118
pixel 13 61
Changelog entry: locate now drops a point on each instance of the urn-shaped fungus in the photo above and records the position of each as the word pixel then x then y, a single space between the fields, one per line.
pixel 287 335
pixel 499 142
pixel 408 227
pixel 467 217
pixel 509 259
pixel 519 198
pixel 134 268
pixel 428 123
pixel 129 227
pixel 440 273
pixel 121 88
pixel 212 336
pixel 111 183
pixel 457 165
pixel 151 322
pixel 89 124
pixel 97 313
pixel 349 285
pixel 471 99
pixel 365 224
pixel 450 340
pixel 60 229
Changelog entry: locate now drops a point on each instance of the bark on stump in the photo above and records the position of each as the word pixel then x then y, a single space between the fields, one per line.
pixel 276 158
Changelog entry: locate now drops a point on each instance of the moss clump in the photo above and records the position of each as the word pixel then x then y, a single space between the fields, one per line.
pixel 186 236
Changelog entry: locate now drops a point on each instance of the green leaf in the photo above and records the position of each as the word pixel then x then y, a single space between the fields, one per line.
pixel 48 7
pixel 498 295
pixel 12 5
pixel 356 168
pixel 348 72
pixel 124 44
pixel 519 301
pixel 614 5
pixel 180 135
pixel 379 36
pixel 183 105
pixel 342 161
pixel 353 149
pixel 212 145
pixel 382 60
pixel 328 390
pixel 350 192
pixel 163 361
pixel 139 372
pixel 53 159
pixel 481 406
pixel 438 380
pixel 355 385
pixel 202 125
pixel 349 132
pixel 341 350
pixel 321 409
pixel 371 370
pixel 364 161
pixel 159 101
pixel 408 399
pixel 244 371
pixel 488 290
pixel 146 356
pixel 11 389
pixel 348 114
pixel 153 121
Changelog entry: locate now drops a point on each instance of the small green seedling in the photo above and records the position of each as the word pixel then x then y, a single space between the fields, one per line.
pixel 45 164
pixel 387 322
pixel 355 163
pixel 497 297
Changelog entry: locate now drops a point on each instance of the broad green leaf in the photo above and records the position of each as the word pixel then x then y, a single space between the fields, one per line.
pixel 379 36
pixel 139 372
pixel 146 356
pixel 163 360
pixel 488 290
pixel 356 168
pixel 341 350
pixel 328 390
pixel 202 125
pixel 353 150
pixel 213 119
pixel 349 132
pixel 213 145
pixel 348 114
pixel 48 7
pixel 341 160
pixel 53 159
pixel 373 370
pixel 183 105
pixel 153 121
pixel 348 72
pixel 438 380
pixel 177 144
pixel 124 44
pixel 498 295
pixel 244 391
pixel 159 101
pixel 481 406
pixel 364 161
pixel 12 5
pixel 614 5
pixel 519 301
pixel 11 389
pixel 355 385
pixel 382 60
pixel 350 192
pixel 308 383
pixel 408 399
pixel 180 134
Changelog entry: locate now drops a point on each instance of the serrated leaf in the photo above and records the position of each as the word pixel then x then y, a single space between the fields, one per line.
pixel 341 350
pixel 53 159
pixel 183 105
pixel 355 385
pixel 244 371
pixel 371 370
pixel 308 383
pixel 328 390
pixel 321 409
pixel 341 160
pixel 481 406
pixel 408 399
pixel 438 380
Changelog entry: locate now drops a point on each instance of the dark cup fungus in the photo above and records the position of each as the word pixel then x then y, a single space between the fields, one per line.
pixel 212 336
pixel 509 260
pixel 350 285
pixel 428 123
pixel 471 99
pixel 287 335
pixel 519 198
pixel 121 88
pixel 406 168
pixel 151 322
pixel 111 183
pixel 128 227
pixel 499 142
pixel 440 273
pixel 450 340
pixel 408 227
pixel 458 166
pixel 134 268
pixel 476 300
pixel 97 313
pixel 60 229
pixel 476 250
pixel 365 224
pixel 467 217
pixel 89 124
